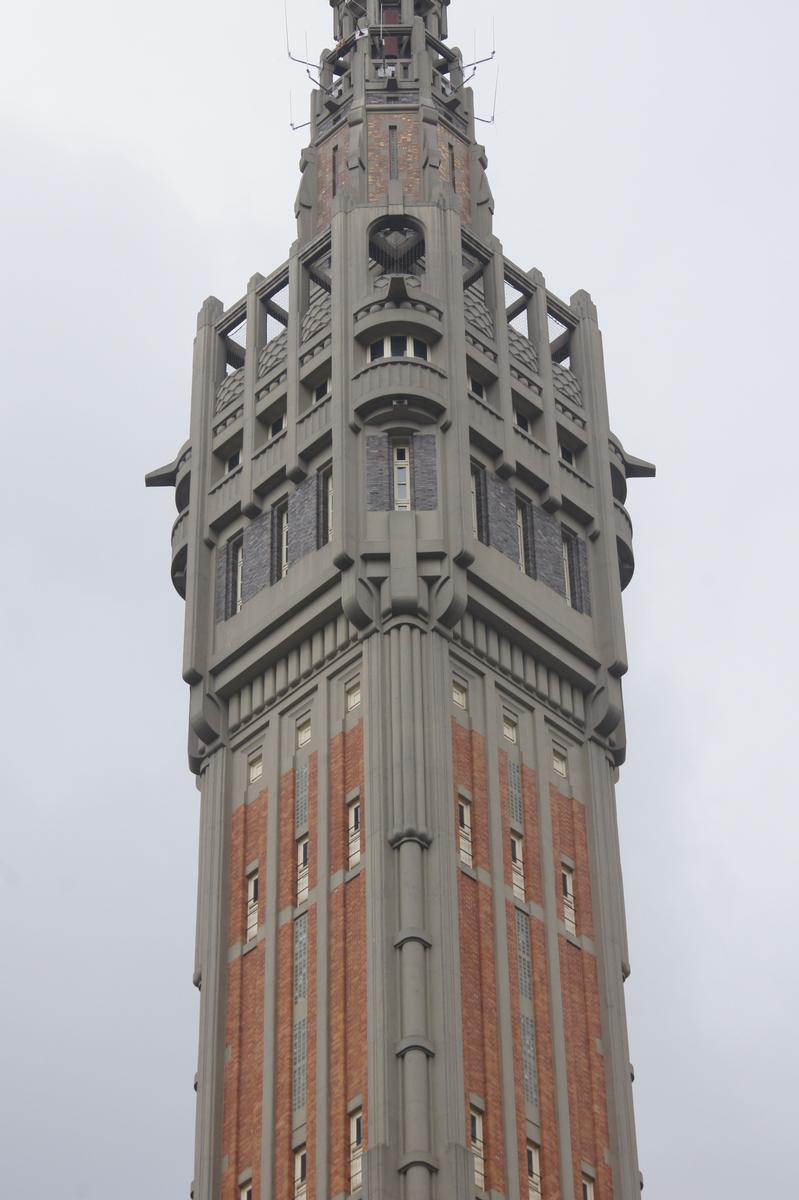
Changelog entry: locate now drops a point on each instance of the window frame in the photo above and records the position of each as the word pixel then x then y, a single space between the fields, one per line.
pixel 352 689
pixel 479 498
pixel 567 882
pixel 459 686
pixel 477 1146
pixel 465 832
pixel 518 882
pixel 587 1188
pixel 412 342
pixel 255 767
pixel 534 1171
pixel 570 568
pixel 356 1151
pixel 354 828
pixel 560 753
pixel 304 725
pixel 303 869
pixel 301 1173
pixel 252 907
pixel 510 729
pixel 230 465
pixel 397 467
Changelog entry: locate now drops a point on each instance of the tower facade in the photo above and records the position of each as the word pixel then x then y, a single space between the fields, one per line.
pixel 402 544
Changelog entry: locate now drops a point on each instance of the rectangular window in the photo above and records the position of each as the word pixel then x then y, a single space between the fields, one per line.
pixel 588 1188
pixel 465 832
pixel 567 455
pixel 303 733
pixel 393 153
pixel 356 1151
pixel 460 694
pixel 303 869
pixel 233 463
pixel 353 694
pixel 477 388
pixel 402 476
pixel 246 1192
pixel 334 172
pixel 569 572
pixel 479 504
pixel 560 762
pixel 300 1174
pixel 452 178
pixel 354 834
pixel 255 768
pixel 522 421
pixel 478 1148
pixel 399 345
pixel 533 1171
pixel 517 866
pixel 321 391
pixel 569 909
pixel 277 426
pixel 252 906
pixel 510 729
pixel 283 540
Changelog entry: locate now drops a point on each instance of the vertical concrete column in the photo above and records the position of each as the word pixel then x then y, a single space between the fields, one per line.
pixel 256 337
pixel 549 882
pixel 495 297
pixel 538 327
pixel 499 903
pixel 588 364
pixel 209 368
pixel 212 975
pixel 610 931
pixel 411 839
pixel 295 467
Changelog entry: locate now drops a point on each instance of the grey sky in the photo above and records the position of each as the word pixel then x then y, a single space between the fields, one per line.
pixel 146 162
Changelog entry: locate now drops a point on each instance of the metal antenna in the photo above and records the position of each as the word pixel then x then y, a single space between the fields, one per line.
pixel 302 61
pixel 490 120
pixel 294 127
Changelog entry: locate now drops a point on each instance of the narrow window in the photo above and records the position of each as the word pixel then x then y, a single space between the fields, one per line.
pixel 478 1148
pixel 252 906
pixel 588 1188
pixel 560 762
pixel 569 910
pixel 452 177
pixel 479 513
pixel 277 426
pixel 402 476
pixel 233 463
pixel 568 569
pixel 398 344
pixel 393 152
pixel 354 833
pixel 533 1171
pixel 303 864
pixel 322 390
pixel 356 1151
pixel 567 455
pixel 335 171
pixel 325 510
pixel 521 541
pixel 377 350
pixel 420 349
pixel 282 540
pixel 300 1174
pixel 303 733
pixel 353 694
pixel 522 421
pixel 255 768
pixel 465 832
pixel 235 575
pixel 477 387
pixel 460 694
pixel 510 729
pixel 517 866
pixel 246 1192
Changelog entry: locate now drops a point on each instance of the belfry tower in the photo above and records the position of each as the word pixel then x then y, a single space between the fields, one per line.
pixel 402 544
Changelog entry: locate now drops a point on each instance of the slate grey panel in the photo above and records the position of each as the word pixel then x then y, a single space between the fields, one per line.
pixel 302 520
pixel 378 473
pixel 257 556
pixel 583 580
pixel 548 550
pixel 220 587
pixel 502 517
pixel 425 472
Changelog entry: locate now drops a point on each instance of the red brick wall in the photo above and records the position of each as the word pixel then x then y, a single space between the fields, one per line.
pixel 244 1024
pixel 581 1004
pixel 324 174
pixel 463 187
pixel 408 154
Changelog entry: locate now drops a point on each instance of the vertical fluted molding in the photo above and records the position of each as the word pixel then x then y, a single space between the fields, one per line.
pixel 212 971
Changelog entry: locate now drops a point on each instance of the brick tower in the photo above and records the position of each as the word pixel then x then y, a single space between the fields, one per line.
pixel 402 544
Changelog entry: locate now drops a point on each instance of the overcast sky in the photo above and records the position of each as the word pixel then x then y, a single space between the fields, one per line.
pixel 646 152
